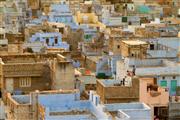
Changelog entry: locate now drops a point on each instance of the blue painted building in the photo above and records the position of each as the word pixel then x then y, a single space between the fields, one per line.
pixel 130 111
pixel 89 32
pixel 65 105
pixel 51 40
pixel 61 13
pixel 107 65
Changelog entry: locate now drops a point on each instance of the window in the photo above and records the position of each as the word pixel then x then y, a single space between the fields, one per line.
pixel 1 36
pixel 47 41
pixel 174 77
pixel 25 82
pixel 163 77
pixel 151 46
pixel 56 40
pixel 86 37
pixel 164 83
pixel 124 19
pixel 61 30
pixel 118 46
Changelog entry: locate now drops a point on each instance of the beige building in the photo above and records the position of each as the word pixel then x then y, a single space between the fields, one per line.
pixel 10 43
pixel 90 19
pixel 133 48
pixel 26 73
pixel 34 4
pixel 46 4
pixel 31 30
pixel 111 91
pixel 11 16
pixel 128 48
pixel 63 74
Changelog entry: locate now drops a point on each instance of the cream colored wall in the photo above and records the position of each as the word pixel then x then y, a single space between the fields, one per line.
pixel 64 76
pixel 92 20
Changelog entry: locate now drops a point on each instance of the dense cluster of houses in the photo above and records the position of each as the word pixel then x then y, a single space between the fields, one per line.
pixel 90 60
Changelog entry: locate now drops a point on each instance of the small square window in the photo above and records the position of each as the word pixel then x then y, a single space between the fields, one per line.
pixel 163 83
pixel 163 77
pixel 174 77
pixel 118 46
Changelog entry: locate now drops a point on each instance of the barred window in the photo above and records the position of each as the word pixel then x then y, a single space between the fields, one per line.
pixel 25 82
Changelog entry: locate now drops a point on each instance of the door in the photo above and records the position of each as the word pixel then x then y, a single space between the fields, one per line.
pixel 173 87
pixel 163 83
pixel 9 84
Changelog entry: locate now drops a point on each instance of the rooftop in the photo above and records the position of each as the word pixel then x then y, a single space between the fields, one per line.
pixel 132 111
pixel 155 71
pixel 64 105
pixel 134 42
pixel 62 8
pixel 126 106
pixel 115 83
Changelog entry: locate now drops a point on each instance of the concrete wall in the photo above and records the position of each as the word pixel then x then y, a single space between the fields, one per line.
pixel 22 99
pixel 70 117
pixel 123 106
pixel 169 78
pixel 162 54
pixel 36 46
pixel 21 108
pixel 37 73
pixel 145 96
pixel 138 114
pixel 118 94
pixel 122 116
pixel 130 111
pixel 2 111
pixel 53 100
pixel 64 75
pixel 103 66
pixel 79 105
pixel 172 42
pixel 68 103
pixel 91 18
pixel 174 111
pixel 143 62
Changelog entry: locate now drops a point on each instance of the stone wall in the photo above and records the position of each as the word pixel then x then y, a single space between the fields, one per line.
pixel 18 111
pixel 63 75
pixel 118 94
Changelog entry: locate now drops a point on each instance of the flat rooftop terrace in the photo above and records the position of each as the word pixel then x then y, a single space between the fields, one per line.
pixel 115 83
pixel 22 99
pixel 134 42
pixel 126 106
